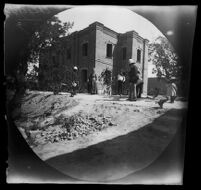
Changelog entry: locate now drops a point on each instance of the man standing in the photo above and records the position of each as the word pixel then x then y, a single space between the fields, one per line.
pixel 133 78
pixel 139 85
pixel 74 84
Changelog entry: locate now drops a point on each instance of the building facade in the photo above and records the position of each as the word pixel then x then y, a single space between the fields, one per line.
pixel 97 47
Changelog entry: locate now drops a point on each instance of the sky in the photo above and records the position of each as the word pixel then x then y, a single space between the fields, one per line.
pixel 119 19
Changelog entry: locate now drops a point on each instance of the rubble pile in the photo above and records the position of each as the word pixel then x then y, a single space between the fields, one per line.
pixel 74 126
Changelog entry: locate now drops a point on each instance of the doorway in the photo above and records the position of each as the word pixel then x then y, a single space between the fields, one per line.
pixel 84 77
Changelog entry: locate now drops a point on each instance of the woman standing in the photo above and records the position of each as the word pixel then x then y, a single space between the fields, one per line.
pixel 171 91
pixel 92 80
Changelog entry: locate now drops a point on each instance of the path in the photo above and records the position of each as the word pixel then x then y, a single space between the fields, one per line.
pixel 122 155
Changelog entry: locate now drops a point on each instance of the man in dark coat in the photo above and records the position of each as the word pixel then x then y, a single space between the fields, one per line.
pixel 133 78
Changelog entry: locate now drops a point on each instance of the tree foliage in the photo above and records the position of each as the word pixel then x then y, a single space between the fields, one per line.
pixel 166 61
pixel 106 75
pixel 47 35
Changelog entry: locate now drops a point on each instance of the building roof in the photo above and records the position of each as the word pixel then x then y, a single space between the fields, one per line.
pixel 133 32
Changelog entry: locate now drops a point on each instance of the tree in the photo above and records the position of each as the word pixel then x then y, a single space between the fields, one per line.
pixel 45 37
pixel 106 76
pixel 166 61
pixel 48 35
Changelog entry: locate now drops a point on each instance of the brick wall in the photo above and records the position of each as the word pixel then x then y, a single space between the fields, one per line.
pixel 97 36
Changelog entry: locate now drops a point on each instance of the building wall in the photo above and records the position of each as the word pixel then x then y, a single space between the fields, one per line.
pixel 132 42
pixel 85 62
pixel 103 37
pixel 97 36
pixel 156 83
pixel 145 66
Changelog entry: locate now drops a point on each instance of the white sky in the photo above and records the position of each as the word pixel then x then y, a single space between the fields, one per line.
pixel 119 19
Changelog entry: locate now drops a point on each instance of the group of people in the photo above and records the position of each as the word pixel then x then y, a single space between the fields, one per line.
pixel 92 86
pixel 135 82
pixel 134 79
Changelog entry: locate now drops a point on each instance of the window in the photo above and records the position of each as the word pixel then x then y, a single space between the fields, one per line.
pixel 109 51
pixel 68 53
pixel 124 53
pixel 139 55
pixel 85 49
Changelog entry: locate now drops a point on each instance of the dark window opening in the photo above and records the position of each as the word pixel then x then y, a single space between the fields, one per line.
pixel 138 55
pixel 85 49
pixel 109 51
pixel 68 53
pixel 124 53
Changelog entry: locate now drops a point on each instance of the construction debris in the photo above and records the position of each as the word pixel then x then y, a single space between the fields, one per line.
pixel 72 127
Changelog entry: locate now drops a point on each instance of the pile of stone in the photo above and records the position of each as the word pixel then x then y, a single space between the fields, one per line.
pixel 72 127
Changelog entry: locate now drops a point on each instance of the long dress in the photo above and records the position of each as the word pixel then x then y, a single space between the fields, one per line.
pixel 172 89
pixel 172 92
pixel 93 84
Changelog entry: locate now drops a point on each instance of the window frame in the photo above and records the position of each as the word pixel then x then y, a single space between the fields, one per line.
pixel 85 51
pixel 107 50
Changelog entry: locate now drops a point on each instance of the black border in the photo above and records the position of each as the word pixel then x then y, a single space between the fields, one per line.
pixel 189 176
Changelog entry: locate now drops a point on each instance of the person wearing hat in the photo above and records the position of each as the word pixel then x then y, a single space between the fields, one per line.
pixel 133 78
pixel 74 85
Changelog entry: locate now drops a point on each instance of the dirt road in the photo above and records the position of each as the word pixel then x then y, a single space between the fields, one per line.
pixel 139 133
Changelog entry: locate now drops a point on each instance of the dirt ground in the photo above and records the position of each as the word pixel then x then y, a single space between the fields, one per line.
pixel 94 137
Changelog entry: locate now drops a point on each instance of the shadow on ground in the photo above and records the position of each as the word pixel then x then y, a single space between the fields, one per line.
pixel 117 98
pixel 123 155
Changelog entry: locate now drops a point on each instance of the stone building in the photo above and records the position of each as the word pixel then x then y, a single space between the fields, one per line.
pixel 97 47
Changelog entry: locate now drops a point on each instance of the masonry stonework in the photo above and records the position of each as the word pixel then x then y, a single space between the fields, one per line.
pixel 97 47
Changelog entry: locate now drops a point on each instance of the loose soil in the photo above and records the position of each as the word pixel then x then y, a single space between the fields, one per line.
pixel 63 130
